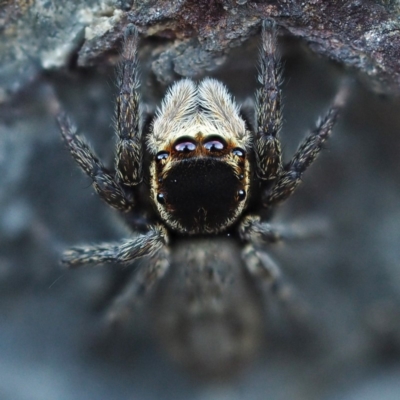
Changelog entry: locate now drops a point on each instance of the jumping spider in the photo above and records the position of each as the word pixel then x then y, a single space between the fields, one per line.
pixel 193 185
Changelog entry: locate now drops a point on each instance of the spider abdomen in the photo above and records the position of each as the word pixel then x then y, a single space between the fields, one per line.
pixel 208 313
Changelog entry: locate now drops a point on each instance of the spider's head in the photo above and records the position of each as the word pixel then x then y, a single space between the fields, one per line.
pixel 200 172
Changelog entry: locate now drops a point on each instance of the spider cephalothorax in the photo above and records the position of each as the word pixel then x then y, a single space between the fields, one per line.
pixel 200 173
pixel 202 162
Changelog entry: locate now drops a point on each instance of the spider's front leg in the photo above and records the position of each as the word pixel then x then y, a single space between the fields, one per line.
pixel 267 146
pixel 129 148
pixel 128 159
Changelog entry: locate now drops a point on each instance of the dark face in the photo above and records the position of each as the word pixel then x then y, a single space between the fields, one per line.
pixel 201 184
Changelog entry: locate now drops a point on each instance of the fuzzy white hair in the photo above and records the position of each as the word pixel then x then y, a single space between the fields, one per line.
pixel 188 109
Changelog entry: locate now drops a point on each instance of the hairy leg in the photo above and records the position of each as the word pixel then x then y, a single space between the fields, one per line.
pixel 257 232
pixel 290 177
pixel 262 267
pixel 122 253
pixel 103 182
pixel 265 271
pixel 128 159
pixel 140 286
pixel 269 118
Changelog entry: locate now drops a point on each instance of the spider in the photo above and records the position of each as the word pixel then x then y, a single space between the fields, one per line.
pixel 194 185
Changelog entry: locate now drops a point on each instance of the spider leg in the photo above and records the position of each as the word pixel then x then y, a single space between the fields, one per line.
pixel 267 146
pixel 265 271
pixel 253 230
pixel 140 286
pixel 290 177
pixel 103 182
pixel 268 276
pixel 128 159
pixel 292 308
pixel 262 267
pixel 123 252
pixel 260 264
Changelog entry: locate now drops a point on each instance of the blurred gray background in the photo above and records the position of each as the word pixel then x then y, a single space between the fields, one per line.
pixel 53 344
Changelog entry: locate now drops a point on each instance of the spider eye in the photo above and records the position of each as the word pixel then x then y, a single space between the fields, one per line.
pixel 185 145
pixel 241 195
pixel 238 152
pixel 215 143
pixel 162 155
pixel 161 198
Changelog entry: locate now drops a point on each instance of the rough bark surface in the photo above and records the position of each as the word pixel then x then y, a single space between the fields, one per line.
pixel 37 35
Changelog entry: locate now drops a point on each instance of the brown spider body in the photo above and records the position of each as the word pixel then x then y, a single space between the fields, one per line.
pixel 200 185
pixel 200 175
pixel 204 164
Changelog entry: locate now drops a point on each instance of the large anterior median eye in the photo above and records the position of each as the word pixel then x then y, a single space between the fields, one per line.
pixel 214 143
pixel 185 145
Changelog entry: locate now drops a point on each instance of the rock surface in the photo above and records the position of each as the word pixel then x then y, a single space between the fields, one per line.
pixel 195 36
